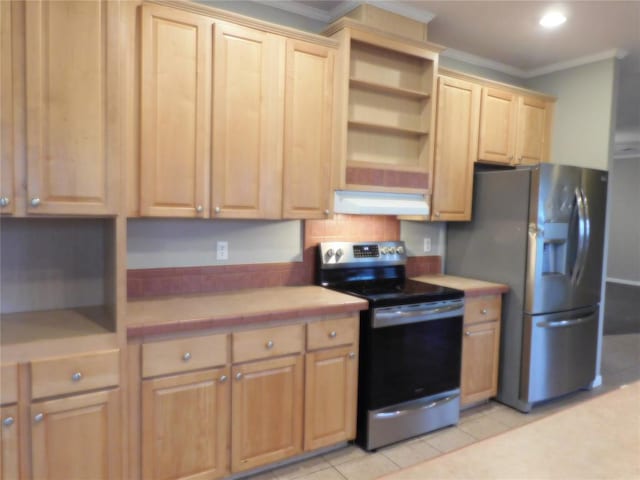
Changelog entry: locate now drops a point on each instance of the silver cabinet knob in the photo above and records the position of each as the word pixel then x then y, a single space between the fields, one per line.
pixel 437 214
pixel 199 208
pixel 4 201
pixel 35 201
pixel 38 417
pixel 76 377
pixel 186 357
pixel 332 334
pixel 483 311
pixel 239 376
pixel 467 333
pixel 7 422
pixel 352 355
pixel 223 378
pixel 326 212
pixel 269 345
pixel 217 209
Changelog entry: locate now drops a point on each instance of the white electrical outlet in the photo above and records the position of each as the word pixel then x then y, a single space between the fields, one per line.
pixel 222 250
pixel 427 244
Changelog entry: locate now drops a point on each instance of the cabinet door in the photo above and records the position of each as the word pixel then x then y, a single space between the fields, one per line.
pixel 531 146
pixel 176 95
pixel 185 426
pixel 73 138
pixel 9 443
pixel 307 130
pixel 330 397
pixel 457 122
pixel 480 350
pixel 266 420
pixel 77 437
pixel 6 111
pixel 248 107
pixel 497 126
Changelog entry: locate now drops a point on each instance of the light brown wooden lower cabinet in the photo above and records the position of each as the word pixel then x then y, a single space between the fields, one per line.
pixel 9 468
pixel 330 397
pixel 77 437
pixel 185 426
pixel 480 350
pixel 267 413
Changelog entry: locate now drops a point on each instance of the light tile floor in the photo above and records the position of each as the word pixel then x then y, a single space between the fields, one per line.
pixel 620 365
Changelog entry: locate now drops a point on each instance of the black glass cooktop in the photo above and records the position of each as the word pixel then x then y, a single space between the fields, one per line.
pixel 387 293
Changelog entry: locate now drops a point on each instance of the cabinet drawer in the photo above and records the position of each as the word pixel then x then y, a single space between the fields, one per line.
pixel 267 342
pixel 183 354
pixel 76 373
pixel 482 309
pixel 332 333
pixel 9 386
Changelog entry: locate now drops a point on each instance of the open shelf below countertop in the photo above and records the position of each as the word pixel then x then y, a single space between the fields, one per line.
pixel 55 332
pixel 379 87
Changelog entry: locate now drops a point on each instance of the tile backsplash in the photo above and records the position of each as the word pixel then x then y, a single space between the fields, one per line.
pixel 151 282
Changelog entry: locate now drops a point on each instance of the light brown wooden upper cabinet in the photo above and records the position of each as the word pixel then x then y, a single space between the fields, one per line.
pixel 308 123
pixel 175 113
pixel 7 200
pixel 386 110
pixel 72 100
pixel 457 123
pixel 514 128
pixel 236 120
pixel 248 106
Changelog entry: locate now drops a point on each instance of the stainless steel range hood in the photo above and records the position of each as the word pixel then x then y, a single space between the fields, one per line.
pixel 379 203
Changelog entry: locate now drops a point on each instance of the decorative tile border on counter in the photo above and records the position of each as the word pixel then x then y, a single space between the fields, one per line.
pixel 158 282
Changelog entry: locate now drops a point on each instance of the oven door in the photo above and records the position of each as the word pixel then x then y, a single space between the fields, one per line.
pixel 410 360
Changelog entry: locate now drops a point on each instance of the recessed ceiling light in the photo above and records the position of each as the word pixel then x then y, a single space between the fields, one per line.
pixel 552 19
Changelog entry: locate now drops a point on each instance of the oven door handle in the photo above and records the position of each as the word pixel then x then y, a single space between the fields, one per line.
pixel 395 413
pixel 399 316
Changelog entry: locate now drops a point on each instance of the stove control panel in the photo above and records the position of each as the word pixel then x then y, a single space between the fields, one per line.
pixel 349 254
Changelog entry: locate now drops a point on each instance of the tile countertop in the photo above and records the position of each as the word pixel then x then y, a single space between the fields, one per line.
pixel 471 286
pixel 599 438
pixel 241 307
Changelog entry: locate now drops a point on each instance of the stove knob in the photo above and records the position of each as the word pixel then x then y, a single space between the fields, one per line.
pixel 329 253
pixel 399 250
pixel 384 250
pixel 339 254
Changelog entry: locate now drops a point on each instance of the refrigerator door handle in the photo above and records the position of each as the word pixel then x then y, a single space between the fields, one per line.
pixel 564 323
pixel 582 235
pixel 587 233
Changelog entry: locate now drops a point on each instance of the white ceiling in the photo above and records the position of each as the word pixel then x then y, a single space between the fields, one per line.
pixel 505 35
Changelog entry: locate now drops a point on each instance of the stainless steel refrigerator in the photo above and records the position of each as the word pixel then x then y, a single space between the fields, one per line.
pixel 541 231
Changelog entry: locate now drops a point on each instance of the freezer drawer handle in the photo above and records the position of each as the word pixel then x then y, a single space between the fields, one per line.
pixel 565 323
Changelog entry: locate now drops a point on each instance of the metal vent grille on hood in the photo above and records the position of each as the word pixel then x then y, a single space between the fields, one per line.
pixel 379 203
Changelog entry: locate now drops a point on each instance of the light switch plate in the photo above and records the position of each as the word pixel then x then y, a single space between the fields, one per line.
pixel 222 250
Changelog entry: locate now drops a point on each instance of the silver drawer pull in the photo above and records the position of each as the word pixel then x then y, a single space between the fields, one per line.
pixel 76 377
pixel 186 357
pixel 239 376
pixel 352 355
pixel 269 345
pixel 7 422
pixel 333 334
pixel 223 378
pixel 484 311
pixel 467 333
pixel 38 417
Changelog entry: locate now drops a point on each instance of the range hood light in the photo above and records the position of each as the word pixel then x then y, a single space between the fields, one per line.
pixel 379 203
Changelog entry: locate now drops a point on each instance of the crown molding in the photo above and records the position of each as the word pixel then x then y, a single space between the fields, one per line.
pixel 483 62
pixel 298 9
pixel 406 9
pixel 576 62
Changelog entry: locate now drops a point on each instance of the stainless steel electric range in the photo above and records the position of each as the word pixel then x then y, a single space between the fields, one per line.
pixel 410 341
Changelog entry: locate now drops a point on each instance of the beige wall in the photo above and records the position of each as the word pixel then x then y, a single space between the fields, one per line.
pixel 624 226
pixel 584 113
